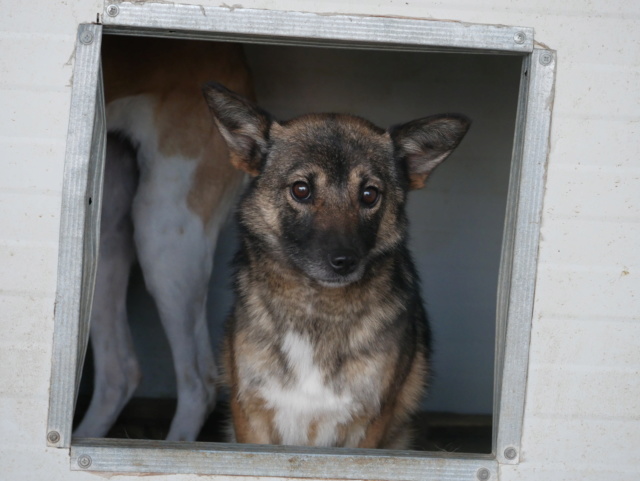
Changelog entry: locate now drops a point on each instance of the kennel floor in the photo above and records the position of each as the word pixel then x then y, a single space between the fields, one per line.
pixel 149 418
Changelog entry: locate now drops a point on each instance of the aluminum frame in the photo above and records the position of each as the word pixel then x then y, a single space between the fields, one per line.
pixel 519 259
pixel 79 232
pixel 84 164
pixel 297 28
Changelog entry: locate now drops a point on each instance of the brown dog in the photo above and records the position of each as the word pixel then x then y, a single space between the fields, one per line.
pixel 328 341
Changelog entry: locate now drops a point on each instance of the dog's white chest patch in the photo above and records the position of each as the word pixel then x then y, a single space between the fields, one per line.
pixel 307 411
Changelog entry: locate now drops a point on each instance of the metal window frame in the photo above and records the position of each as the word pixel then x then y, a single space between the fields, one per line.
pixel 82 190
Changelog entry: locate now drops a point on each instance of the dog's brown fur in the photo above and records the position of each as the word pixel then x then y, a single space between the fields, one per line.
pixel 171 72
pixel 328 341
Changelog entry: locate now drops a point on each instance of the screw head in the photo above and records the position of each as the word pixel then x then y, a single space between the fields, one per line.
pixel 546 58
pixel 520 37
pixel 84 461
pixel 86 37
pixel 113 10
pixel 483 474
pixel 53 437
pixel 510 453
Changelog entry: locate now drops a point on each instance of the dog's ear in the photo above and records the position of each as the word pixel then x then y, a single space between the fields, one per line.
pixel 424 143
pixel 244 126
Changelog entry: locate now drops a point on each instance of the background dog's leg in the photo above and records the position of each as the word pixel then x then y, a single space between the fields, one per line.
pixel 175 250
pixel 195 368
pixel 117 373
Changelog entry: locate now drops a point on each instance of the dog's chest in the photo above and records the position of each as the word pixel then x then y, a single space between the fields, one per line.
pixel 307 409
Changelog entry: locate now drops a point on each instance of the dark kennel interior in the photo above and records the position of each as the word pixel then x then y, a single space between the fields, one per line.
pixel 456 226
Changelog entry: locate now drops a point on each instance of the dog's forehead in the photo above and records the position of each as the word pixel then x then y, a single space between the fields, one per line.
pixel 343 122
pixel 332 140
pixel 332 131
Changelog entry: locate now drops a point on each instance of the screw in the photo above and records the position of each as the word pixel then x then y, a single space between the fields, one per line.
pixel 546 58
pixel 84 461
pixel 53 437
pixel 483 474
pixel 510 453
pixel 113 10
pixel 520 37
pixel 86 37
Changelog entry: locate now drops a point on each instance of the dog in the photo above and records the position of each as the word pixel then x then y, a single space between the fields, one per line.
pixel 328 342
pixel 168 186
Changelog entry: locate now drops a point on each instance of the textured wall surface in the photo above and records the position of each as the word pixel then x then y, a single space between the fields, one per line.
pixel 582 417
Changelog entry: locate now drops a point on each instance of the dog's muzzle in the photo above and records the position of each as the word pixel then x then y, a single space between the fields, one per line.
pixel 343 262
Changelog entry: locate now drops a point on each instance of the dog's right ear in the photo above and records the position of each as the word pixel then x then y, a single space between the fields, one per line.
pixel 424 143
pixel 244 126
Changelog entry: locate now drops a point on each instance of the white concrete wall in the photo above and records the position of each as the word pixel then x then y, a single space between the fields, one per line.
pixel 582 418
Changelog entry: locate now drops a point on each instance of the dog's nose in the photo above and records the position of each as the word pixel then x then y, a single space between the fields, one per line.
pixel 343 262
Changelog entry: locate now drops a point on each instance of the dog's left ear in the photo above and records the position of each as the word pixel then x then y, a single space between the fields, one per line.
pixel 424 143
pixel 244 126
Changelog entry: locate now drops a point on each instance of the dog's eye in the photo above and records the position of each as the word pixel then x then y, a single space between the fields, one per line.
pixel 300 190
pixel 369 196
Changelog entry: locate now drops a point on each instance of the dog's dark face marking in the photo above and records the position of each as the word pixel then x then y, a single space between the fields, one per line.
pixel 329 190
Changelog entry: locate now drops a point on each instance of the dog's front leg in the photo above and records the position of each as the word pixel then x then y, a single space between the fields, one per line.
pixel 377 431
pixel 252 419
pixel 390 429
pixel 252 424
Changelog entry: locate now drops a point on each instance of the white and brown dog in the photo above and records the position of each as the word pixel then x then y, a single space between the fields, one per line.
pixel 168 186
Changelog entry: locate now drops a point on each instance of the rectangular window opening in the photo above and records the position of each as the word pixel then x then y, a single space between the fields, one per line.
pixel 473 235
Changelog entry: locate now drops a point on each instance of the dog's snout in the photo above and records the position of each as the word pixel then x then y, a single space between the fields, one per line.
pixel 343 262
